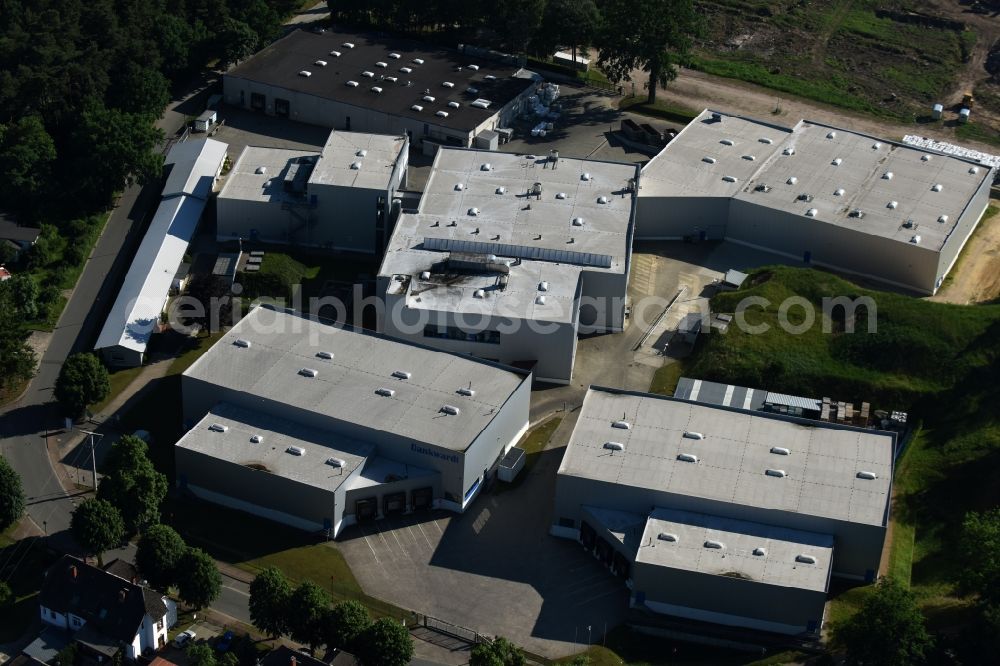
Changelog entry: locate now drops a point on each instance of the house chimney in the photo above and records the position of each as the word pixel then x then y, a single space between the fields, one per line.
pixel 292 661
pixel 122 594
pixel 72 571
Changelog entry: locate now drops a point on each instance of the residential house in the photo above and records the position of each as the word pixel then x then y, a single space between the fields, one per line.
pixel 104 612
pixel 16 237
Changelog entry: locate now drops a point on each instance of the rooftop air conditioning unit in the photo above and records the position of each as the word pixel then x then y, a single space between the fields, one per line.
pixel 320 63
pixel 417 107
pixel 394 56
pixel 418 61
pixel 218 427
pixel 805 559
pixel 306 73
pixel 348 45
pixel 325 355
pixel 614 446
pixel 309 372
pixel 666 536
pixel 376 90
pixel 760 552
pixel 779 473
pixel 335 54
pixel 622 425
pixel 335 462
pixel 240 342
pixel 467 392
pixel 690 434
pixel 352 84
pixel 687 457
pixel 256 439
pixel 482 103
pixel 368 75
pixel 448 84
pixel 385 392
pixel 489 77
pixel 453 105
pixel 441 114
pixel 474 68
pixel 296 450
pixel 381 64
pixel 450 409
pixel 428 98
pixel 726 142
pixel 870 476
pixel 401 374
pixel 780 450
pixel 406 70
pixel 711 543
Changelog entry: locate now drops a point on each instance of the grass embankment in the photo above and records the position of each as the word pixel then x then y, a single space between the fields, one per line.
pixel 662 110
pixel 938 361
pixel 851 54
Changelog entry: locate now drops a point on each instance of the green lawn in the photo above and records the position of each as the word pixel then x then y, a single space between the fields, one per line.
pixel 665 378
pixel 533 443
pixel 196 347
pixel 663 110
pixel 937 361
pixel 119 379
pixel 280 273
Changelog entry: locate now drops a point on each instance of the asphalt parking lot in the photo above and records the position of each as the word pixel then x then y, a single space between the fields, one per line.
pixel 494 569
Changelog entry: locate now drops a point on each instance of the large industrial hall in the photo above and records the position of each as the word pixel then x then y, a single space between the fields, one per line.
pixel 510 256
pixel 816 194
pixel 320 426
pixel 721 514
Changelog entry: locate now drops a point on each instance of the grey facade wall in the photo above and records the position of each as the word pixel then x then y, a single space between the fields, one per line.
pixel 673 218
pixel 852 250
pixel 551 344
pixel 502 433
pixel 348 216
pixel 602 302
pixel 274 494
pixel 857 547
pixel 963 229
pixel 786 609
pixel 121 357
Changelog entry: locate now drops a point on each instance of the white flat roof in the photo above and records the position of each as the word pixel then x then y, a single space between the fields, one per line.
pixel 193 166
pixel 733 455
pixel 775 561
pixel 232 443
pixel 835 171
pixel 259 171
pixel 282 344
pixel 477 201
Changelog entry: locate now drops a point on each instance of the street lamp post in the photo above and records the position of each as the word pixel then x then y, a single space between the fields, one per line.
pixel 93 457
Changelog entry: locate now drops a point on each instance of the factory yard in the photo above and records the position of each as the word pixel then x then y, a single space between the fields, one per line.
pixel 976 276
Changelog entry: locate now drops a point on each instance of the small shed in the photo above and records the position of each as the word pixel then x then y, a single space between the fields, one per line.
pixel 733 280
pixel 511 464
pixel 205 121
pixel 936 111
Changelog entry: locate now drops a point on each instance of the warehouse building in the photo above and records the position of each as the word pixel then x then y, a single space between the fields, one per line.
pixel 643 471
pixel 816 194
pixel 509 257
pixel 320 426
pixel 365 83
pixel 340 198
pixel 194 167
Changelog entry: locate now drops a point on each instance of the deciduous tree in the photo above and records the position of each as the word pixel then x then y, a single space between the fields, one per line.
pixel 500 652
pixel 132 484
pixel 306 613
pixel 385 642
pixel 82 381
pixel 198 579
pixel 888 630
pixel 344 623
pixel 27 153
pixel 269 598
pixel 158 555
pixel 97 526
pixel 11 495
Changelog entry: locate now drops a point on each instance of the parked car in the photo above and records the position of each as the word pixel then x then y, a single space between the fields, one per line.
pixel 184 638
pixel 225 640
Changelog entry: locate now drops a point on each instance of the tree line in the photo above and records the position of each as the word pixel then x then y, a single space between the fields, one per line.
pixel 654 36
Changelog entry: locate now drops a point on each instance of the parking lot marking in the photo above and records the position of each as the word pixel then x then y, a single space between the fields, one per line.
pixel 425 537
pixel 399 543
pixel 374 554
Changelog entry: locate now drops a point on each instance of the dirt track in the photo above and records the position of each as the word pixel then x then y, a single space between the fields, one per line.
pixel 976 276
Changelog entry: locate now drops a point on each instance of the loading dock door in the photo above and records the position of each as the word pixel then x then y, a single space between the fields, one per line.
pixel 587 535
pixel 394 503
pixel 422 498
pixel 366 509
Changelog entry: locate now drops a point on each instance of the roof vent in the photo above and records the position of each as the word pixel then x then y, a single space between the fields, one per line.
pixel 760 552
pixel 459 187
pixel 489 77
pixel 467 392
pixel 260 170
pixel 690 434
pixel 943 219
pixel 325 355
pixel 336 462
pixel 402 374
pixel 306 73
pixel 779 473
pixel 805 559
pixel 335 54
pixel 857 212
pixel 501 189
pixel 892 204
pixel 417 107
pixel 450 409
pixel 418 61
pixel 394 56
pixel 479 293
pixel 448 84
pixel 666 536
pixel 602 200
pixel 368 75
pixel 870 476
pixel 356 165
pixel 351 84
pixel 473 211
pixel 812 212
pixel 406 70
pixel 385 392
pixel 937 187
pixel 614 446
pixel 256 439
pixel 729 179
pixel 831 135
pixel 687 457
pixel 837 161
pixel 361 153
pixel 543 286
pixel 240 342
pixel 381 64
pixel 348 45
pixel 876 145
pixel 887 175
pixel 453 105
pixel 708 160
pixel 486 166
pixel 974 170
pixel 218 427
pixel 474 68
pixel 711 543
pixel 441 114
pixel 780 450
pixel 726 142
pixel 839 192
pixel 766 140
pixel 376 90
pixel 585 176
pixel 320 63
pixel 309 372
pixel 425 275
pixel 560 195
pixel 788 151
pixel 925 158
pixel 915 240
pixel 472 90
pixel 792 180
pixel 540 300
pixel 577 221
pixel 622 425
pixel 392 79
pixel 762 188
pixel 296 450
pixel 749 158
